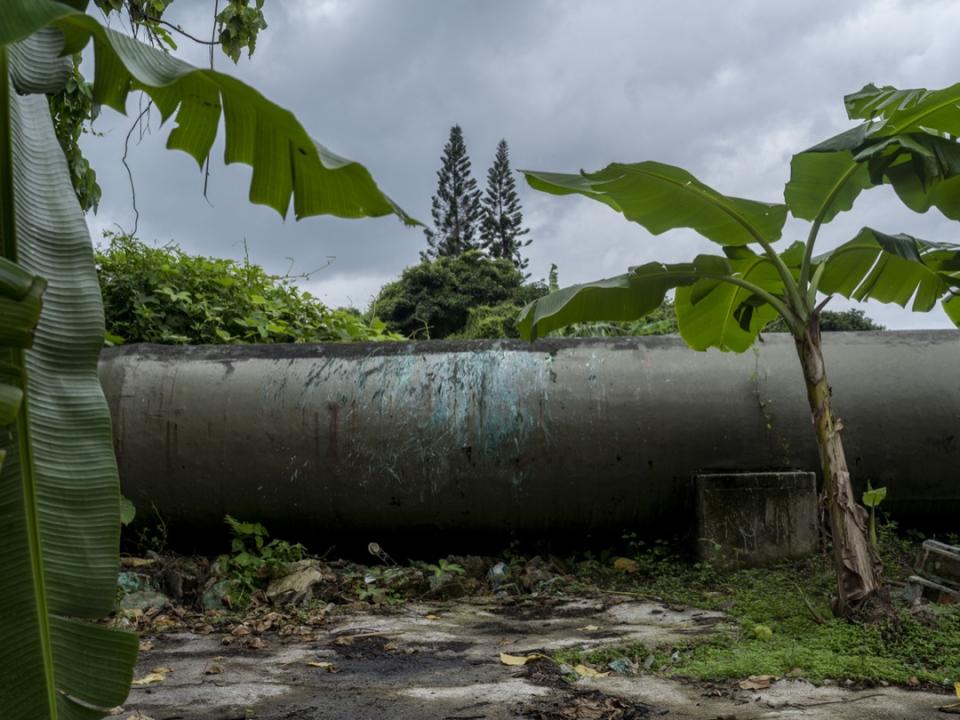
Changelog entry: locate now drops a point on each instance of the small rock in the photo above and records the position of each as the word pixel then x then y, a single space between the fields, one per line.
pixel 296 587
pixel 213 596
pixel 622 666
pixel 143 600
pixel 131 582
pixel 498 574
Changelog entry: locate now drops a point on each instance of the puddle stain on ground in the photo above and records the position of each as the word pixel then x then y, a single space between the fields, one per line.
pixel 441 662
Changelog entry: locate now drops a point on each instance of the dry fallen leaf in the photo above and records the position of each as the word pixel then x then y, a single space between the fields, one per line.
pixel 146 645
pixel 157 675
pixel 953 709
pixel 519 659
pixel 323 665
pixel 240 631
pixel 431 617
pixel 135 562
pixel 588 672
pixel 254 643
pixel 266 622
pixel 391 647
pixel 589 628
pixel 757 682
pixel 213 670
pixel 625 565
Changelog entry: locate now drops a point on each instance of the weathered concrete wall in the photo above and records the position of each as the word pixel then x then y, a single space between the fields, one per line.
pixel 562 436
pixel 756 518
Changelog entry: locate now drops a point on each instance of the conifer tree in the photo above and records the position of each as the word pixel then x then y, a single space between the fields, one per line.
pixel 456 206
pixel 501 228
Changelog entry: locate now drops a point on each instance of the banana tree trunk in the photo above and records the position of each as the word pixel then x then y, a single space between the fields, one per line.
pixel 856 562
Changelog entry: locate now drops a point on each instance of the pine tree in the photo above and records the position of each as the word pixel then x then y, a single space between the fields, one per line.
pixel 501 228
pixel 456 206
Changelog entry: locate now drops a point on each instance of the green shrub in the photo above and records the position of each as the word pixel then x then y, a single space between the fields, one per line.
pixel 434 299
pixel 492 322
pixel 164 295
pixel 852 320
pixel 254 559
pixel 662 321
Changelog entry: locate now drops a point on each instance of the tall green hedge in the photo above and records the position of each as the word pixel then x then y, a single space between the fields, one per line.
pixel 163 295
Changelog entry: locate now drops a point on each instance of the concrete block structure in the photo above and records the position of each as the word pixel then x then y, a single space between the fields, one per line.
pixel 756 518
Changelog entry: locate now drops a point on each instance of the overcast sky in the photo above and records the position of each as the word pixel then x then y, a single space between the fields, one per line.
pixel 728 90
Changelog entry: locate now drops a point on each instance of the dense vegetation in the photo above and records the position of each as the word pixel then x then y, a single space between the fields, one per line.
pixel 465 295
pixel 164 295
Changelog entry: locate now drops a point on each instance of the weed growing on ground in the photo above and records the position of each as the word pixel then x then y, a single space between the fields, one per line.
pixel 784 623
pixel 253 559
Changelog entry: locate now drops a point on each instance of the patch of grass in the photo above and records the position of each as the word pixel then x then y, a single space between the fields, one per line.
pixel 785 626
pixel 895 652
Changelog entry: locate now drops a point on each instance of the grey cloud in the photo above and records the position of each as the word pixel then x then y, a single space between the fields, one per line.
pixel 726 90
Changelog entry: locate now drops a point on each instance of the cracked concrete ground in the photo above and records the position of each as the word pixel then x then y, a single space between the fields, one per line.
pixel 442 662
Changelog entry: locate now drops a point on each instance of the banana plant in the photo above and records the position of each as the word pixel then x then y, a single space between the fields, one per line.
pixel 907 139
pixel 59 491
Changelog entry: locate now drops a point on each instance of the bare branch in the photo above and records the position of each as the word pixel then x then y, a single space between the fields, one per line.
pixel 126 149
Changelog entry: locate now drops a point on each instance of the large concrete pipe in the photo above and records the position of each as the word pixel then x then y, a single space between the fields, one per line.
pixel 493 438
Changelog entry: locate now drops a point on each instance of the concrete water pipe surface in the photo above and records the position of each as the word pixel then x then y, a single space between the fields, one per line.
pixel 488 439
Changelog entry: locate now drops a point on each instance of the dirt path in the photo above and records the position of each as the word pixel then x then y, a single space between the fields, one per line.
pixel 442 662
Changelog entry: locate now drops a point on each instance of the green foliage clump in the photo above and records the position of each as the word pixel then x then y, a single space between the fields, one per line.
pixel 492 322
pixel 72 110
pixel 253 559
pixel 164 295
pixel 440 298
pixel 240 22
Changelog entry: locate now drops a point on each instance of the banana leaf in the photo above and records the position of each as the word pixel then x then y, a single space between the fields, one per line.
pixel 908 140
pixel 624 297
pixel 59 496
pixel 894 269
pixel 59 491
pixel 286 161
pixel 664 197
pixel 715 313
